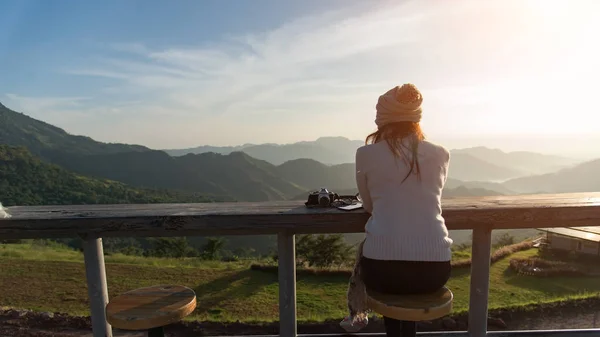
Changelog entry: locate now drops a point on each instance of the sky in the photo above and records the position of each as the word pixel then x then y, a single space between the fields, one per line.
pixel 511 74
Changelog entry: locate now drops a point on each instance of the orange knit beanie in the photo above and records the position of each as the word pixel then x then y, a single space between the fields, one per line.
pixel 399 104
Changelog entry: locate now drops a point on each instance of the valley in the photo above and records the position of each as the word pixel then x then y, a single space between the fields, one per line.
pixel 41 164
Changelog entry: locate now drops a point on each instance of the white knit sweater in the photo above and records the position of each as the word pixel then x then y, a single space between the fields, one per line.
pixel 406 220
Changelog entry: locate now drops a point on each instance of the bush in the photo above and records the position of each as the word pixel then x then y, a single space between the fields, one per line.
pixel 126 246
pixel 304 271
pixel 132 251
pixel 323 250
pixel 504 240
pixel 497 255
pixel 212 249
pixel 545 268
pixel 231 258
pixel 48 243
pixel 11 241
pixel 509 250
pixel 177 247
pixel 308 254
pixel 548 253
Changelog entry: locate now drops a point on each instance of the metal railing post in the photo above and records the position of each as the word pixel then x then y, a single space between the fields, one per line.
pixel 286 246
pixel 95 273
pixel 480 281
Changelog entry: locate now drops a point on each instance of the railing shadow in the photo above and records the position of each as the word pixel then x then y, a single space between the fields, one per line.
pixel 237 284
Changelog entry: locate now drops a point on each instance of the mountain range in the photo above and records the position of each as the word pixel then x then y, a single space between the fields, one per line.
pixel 476 163
pixel 26 180
pixel 43 139
pixel 262 172
pixel 327 150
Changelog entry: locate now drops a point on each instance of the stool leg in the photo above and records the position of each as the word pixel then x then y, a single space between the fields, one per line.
pixel 393 327
pixel 409 329
pixel 156 332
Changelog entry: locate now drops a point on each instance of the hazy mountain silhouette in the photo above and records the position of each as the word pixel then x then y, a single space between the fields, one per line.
pixel 468 167
pixel 313 175
pixel 207 148
pixel 463 191
pixel 584 177
pixel 328 150
pixel 341 179
pixel 531 162
pixel 470 164
pixel 498 188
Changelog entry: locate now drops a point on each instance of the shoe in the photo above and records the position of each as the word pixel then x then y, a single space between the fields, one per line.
pixel 350 326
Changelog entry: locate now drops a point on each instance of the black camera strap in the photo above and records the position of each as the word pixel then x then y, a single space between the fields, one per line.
pixel 336 200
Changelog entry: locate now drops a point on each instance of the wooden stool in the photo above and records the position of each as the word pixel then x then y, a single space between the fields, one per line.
pixel 412 308
pixel 151 308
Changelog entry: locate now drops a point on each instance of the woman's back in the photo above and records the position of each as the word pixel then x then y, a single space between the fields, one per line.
pixel 400 177
pixel 406 218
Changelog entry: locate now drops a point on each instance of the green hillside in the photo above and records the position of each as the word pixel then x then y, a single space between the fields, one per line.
pixel 311 174
pixel 26 180
pixel 235 175
pixel 44 139
pixel 53 279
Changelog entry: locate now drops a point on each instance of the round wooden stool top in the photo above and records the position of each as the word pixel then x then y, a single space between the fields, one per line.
pixel 150 307
pixel 414 308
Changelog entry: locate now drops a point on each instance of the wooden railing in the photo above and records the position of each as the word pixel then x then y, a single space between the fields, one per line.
pixel 286 219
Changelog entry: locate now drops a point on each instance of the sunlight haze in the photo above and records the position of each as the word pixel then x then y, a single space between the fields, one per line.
pixel 517 75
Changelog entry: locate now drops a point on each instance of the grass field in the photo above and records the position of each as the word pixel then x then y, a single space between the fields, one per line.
pixel 51 278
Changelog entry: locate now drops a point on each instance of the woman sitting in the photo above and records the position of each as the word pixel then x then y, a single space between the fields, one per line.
pixel 400 177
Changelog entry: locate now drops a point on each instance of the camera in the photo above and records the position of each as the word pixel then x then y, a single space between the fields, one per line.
pixel 321 198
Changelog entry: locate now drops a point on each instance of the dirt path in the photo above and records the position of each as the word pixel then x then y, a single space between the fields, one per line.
pixel 558 320
pixel 581 314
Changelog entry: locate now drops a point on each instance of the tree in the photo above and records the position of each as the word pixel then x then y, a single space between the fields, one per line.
pixel 322 250
pixel 127 246
pixel 212 248
pixel 244 252
pixel 504 240
pixel 177 247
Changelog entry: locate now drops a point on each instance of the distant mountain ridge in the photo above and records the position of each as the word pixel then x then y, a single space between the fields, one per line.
pixel 236 175
pixel 470 164
pixel 312 174
pixel 241 176
pixel 43 139
pixel 498 188
pixel 524 161
pixel 584 177
pixel 26 180
pixel 328 150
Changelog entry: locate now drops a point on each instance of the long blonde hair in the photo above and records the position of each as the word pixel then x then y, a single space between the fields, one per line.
pixel 393 134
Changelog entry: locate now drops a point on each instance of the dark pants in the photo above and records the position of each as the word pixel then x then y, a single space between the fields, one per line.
pixel 403 277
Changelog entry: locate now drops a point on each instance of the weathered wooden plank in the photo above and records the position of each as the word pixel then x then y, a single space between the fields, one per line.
pixel 558 210
pixel 288 207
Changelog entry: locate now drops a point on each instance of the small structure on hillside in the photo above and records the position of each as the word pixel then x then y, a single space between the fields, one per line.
pixel 584 240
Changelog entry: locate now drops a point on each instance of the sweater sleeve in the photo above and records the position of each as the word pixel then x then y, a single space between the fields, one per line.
pixel 361 183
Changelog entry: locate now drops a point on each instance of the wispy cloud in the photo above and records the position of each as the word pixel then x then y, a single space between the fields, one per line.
pixel 44 103
pixel 306 73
